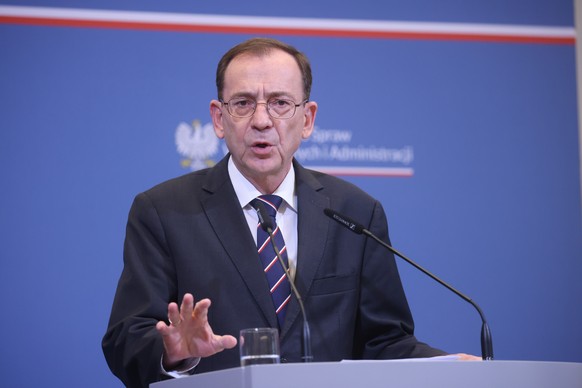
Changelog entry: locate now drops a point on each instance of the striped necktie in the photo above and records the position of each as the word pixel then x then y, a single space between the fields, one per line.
pixel 278 282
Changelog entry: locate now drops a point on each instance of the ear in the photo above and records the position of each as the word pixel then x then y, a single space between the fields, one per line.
pixel 216 115
pixel 309 113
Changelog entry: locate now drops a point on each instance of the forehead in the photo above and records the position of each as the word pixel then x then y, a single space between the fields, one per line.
pixel 275 72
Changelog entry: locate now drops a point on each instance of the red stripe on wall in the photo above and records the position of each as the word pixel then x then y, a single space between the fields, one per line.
pixel 295 31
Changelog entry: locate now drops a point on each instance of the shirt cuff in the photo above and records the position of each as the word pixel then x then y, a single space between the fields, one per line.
pixel 182 370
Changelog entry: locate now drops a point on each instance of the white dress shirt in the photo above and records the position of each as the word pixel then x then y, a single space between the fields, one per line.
pixel 286 215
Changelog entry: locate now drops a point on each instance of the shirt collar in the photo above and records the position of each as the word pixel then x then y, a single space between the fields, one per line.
pixel 246 192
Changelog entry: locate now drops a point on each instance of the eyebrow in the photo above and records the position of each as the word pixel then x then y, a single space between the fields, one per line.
pixel 275 94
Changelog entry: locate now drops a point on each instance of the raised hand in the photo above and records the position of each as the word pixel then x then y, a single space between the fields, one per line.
pixel 189 334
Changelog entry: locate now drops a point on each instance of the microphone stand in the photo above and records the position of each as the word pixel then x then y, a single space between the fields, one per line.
pixel 486 339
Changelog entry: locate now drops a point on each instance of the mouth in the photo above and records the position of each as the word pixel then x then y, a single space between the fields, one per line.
pixel 261 144
pixel 261 148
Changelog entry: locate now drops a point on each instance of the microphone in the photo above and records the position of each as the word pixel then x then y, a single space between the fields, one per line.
pixel 486 340
pixel 267 225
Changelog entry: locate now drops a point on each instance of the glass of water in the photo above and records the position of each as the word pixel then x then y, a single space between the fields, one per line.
pixel 259 346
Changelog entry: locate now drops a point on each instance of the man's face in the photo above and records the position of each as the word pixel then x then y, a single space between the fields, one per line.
pixel 262 147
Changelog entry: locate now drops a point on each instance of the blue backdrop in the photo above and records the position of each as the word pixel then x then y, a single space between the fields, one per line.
pixel 487 133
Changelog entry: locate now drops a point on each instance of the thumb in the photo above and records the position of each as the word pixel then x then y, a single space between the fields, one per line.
pixel 228 341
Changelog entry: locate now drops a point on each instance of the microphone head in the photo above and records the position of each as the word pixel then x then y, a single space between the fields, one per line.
pixel 264 219
pixel 345 221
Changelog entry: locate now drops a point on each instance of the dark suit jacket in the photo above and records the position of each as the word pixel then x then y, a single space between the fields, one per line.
pixel 189 235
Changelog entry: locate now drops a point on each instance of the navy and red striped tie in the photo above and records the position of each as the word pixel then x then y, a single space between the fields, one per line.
pixel 278 282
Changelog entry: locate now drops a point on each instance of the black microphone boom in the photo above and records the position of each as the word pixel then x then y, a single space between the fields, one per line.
pixel 267 225
pixel 486 340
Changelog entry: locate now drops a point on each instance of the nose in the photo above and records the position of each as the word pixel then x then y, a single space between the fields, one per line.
pixel 261 118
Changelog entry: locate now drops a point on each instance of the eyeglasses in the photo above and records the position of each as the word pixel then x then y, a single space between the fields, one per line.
pixel 278 108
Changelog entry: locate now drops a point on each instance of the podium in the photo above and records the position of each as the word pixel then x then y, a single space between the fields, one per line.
pixel 391 373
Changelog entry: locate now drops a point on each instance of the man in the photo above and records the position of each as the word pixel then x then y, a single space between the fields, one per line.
pixel 195 237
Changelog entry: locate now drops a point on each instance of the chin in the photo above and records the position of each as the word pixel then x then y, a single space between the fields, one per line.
pixel 268 166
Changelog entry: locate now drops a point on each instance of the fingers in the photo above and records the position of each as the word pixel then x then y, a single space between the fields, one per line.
pixel 185 310
pixel 174 315
pixel 163 328
pixel 228 341
pixel 188 311
pixel 200 312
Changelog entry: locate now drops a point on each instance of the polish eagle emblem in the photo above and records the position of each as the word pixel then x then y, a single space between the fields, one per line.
pixel 196 143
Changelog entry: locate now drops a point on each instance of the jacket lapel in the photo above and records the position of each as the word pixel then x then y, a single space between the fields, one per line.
pixel 312 228
pixel 228 222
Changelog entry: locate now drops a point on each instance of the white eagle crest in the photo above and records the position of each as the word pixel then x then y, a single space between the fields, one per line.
pixel 196 144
